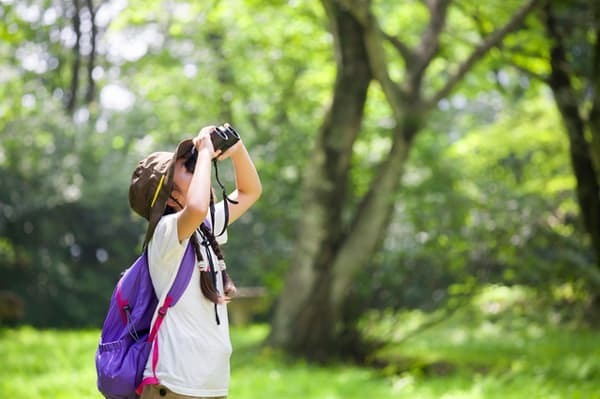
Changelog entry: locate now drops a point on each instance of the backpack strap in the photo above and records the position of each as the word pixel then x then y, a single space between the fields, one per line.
pixel 178 285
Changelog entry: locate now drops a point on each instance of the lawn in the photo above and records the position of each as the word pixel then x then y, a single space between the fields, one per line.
pixel 466 356
pixel 60 364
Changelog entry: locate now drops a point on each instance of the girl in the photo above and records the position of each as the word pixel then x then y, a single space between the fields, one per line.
pixel 194 348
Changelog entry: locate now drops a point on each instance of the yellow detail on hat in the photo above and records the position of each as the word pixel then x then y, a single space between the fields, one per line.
pixel 160 183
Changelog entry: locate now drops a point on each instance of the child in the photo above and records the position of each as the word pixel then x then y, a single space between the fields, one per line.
pixel 194 339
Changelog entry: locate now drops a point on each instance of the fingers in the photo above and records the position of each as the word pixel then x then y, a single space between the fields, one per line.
pixel 203 141
pixel 205 131
pixel 202 134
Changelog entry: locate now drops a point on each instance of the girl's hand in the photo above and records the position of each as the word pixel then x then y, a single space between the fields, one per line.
pixel 203 142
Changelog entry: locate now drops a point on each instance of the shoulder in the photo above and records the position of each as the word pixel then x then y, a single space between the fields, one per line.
pixel 164 252
pixel 166 227
pixel 165 243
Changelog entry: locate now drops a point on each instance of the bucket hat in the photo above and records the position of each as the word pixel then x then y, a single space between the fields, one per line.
pixel 152 183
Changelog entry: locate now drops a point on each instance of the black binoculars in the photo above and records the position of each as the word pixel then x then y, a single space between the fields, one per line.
pixel 222 137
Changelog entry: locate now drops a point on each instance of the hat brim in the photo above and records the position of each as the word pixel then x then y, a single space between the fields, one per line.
pixel 164 191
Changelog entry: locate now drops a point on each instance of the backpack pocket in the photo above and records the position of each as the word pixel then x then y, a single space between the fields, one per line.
pixel 120 366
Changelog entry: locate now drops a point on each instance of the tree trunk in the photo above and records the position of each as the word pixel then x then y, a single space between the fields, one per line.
pixel 595 81
pixel 304 322
pixel 588 189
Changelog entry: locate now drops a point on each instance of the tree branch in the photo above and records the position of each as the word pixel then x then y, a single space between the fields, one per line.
pixel 510 52
pixel 404 51
pixel 377 60
pixel 91 88
pixel 492 40
pixel 529 72
pixel 72 100
pixel 360 10
pixel 516 50
pixel 429 45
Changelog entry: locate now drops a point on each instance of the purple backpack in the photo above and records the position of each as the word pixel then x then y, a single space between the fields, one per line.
pixel 128 334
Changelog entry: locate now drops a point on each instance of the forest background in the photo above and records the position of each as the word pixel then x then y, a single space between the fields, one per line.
pixel 419 159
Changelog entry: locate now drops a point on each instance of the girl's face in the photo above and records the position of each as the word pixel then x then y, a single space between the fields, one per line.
pixel 181 183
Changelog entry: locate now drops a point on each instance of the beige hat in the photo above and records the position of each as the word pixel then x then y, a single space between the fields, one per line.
pixel 152 183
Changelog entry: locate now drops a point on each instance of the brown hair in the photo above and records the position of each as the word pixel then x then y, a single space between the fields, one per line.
pixel 208 278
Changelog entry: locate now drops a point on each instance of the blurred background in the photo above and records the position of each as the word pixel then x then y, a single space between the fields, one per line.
pixel 430 174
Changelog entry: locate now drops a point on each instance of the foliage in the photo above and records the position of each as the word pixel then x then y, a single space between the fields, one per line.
pixel 488 191
pixel 482 203
pixel 66 228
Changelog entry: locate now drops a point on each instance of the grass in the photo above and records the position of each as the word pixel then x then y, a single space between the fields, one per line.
pixel 502 345
pixel 264 373
pixel 47 364
pixel 60 365
pixel 549 364
pixel 471 355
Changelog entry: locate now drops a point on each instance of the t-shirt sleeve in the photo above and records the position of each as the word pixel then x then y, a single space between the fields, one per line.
pixel 219 222
pixel 165 252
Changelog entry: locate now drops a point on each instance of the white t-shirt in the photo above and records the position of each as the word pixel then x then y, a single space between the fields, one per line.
pixel 194 350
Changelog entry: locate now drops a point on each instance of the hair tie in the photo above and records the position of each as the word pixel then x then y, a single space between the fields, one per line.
pixel 202 266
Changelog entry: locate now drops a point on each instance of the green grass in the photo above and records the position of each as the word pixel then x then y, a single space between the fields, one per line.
pixel 264 373
pixel 502 345
pixel 60 364
pixel 47 364
pixel 467 356
pixel 455 363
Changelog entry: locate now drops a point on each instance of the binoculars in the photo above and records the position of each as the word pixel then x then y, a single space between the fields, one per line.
pixel 223 137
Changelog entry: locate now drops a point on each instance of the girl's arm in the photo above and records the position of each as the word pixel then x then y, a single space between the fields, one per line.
pixel 248 186
pixel 197 197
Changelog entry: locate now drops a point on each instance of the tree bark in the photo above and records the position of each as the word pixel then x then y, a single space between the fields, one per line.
pixel 588 188
pixel 304 321
pixel 91 87
pixel 72 100
pixel 595 81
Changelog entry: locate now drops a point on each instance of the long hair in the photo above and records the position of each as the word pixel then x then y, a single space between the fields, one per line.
pixel 208 279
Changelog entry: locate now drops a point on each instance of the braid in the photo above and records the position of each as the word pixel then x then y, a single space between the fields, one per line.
pixel 228 285
pixel 206 282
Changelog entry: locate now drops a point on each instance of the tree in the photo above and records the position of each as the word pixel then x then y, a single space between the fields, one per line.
pixel 337 239
pixel 580 111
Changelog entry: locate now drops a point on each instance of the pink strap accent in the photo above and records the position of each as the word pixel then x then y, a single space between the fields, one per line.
pixel 122 302
pixel 153 337
pixel 162 311
pixel 146 381
pixel 154 357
